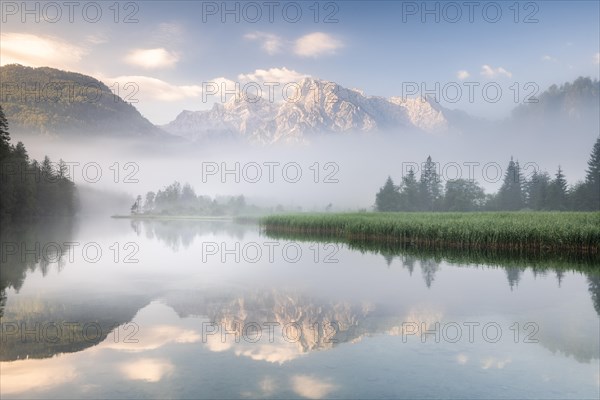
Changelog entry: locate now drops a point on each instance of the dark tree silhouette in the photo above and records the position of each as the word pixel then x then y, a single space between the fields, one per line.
pixel 409 195
pixel 594 288
pixel 592 179
pixel 557 196
pixel 537 190
pixel 429 268
pixel 29 189
pixel 514 276
pixel 430 186
pixel 388 198
pixel 510 196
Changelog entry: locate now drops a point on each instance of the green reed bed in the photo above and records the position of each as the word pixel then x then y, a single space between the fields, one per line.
pixel 537 231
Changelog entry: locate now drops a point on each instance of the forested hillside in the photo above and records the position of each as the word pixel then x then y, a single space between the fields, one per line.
pixel 31 189
pixel 50 101
pixel 577 100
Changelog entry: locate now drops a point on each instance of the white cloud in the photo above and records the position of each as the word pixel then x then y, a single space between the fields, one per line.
pixel 548 58
pixel 312 388
pixel 316 44
pixel 153 338
pixel 273 353
pixel 462 74
pixel 277 351
pixel 96 38
pixel 597 58
pixel 149 88
pixel 267 386
pixel 311 45
pixel 270 43
pixel 490 72
pixel 220 88
pixel 37 51
pixel 493 362
pixel 147 369
pixel 223 82
pixel 29 375
pixel 152 58
pixel 280 75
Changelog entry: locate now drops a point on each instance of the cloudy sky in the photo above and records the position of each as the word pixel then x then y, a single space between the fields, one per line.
pixel 173 50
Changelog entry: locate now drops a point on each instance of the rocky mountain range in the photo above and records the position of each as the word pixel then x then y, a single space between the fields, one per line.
pixel 318 107
pixel 324 107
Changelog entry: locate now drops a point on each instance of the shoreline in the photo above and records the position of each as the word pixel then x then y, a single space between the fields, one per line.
pixel 500 231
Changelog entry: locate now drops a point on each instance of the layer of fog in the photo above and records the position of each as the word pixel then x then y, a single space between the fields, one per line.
pixel 344 170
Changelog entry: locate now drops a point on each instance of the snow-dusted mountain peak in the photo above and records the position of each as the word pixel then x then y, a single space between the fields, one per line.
pixel 308 107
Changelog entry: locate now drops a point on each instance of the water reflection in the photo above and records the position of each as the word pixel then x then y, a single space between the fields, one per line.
pixel 594 287
pixel 290 330
pixel 43 326
pixel 32 245
pixel 285 324
pixel 182 233
pixel 238 322
pixel 514 263
pixel 174 343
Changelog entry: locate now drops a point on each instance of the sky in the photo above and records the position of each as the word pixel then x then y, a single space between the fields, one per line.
pixel 167 56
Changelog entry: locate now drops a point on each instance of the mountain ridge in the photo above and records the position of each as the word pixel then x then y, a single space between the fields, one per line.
pixel 319 106
pixel 51 101
pixel 336 109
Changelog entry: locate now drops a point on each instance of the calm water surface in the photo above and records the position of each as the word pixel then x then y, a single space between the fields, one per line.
pixel 180 309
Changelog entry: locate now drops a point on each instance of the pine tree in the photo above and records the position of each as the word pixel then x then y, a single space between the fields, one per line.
pixel 136 208
pixel 510 196
pixel 47 194
pixel 25 193
pixel 388 198
pixel 430 187
pixel 149 202
pixel 592 179
pixel 4 136
pixel 557 196
pixel 578 197
pixel 537 191
pixel 27 188
pixel 409 195
pixel 68 201
pixel 7 180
